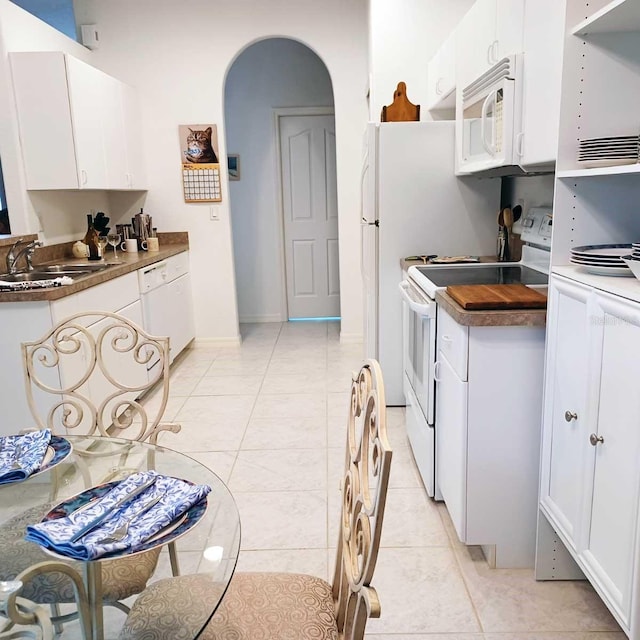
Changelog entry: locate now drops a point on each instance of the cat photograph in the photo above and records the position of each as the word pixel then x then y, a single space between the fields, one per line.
pixel 198 144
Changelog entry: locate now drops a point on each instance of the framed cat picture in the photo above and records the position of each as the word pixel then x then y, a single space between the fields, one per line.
pixel 199 157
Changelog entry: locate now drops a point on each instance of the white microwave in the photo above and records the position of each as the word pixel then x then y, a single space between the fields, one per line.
pixel 489 120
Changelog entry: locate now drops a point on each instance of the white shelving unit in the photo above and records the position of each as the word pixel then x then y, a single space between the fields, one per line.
pixel 590 488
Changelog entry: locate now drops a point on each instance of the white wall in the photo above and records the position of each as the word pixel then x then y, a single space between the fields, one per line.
pixel 178 54
pixel 404 35
pixel 269 74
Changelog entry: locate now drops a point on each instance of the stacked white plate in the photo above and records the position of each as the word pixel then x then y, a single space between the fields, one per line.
pixel 603 259
pixel 609 151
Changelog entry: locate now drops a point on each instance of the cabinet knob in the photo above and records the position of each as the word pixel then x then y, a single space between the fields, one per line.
pixel 594 439
pixel 569 416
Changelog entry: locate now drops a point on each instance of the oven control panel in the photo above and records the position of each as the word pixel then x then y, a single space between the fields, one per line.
pixel 535 226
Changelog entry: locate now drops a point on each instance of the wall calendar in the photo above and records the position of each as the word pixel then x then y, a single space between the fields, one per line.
pixel 200 164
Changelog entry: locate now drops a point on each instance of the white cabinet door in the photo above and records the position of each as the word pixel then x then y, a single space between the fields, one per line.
pixel 114 135
pixel 181 326
pixel 489 31
pixel 475 41
pixel 44 120
pixel 543 42
pixel 136 171
pixel 565 405
pixel 614 444
pixel 451 443
pixel 441 76
pixel 88 92
pixel 509 28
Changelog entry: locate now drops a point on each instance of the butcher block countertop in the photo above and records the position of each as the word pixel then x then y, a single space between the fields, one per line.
pixel 170 245
pixel 497 318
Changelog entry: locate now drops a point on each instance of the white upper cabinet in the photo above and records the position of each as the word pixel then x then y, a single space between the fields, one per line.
pixel 489 31
pixel 543 44
pixel 441 76
pixel 75 124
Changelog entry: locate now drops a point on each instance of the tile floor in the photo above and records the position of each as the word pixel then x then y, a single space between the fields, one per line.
pixel 269 418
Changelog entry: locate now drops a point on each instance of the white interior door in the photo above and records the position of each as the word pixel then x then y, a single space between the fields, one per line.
pixel 307 148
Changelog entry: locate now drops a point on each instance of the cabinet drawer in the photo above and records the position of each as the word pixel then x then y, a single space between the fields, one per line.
pixel 453 342
pixel 108 296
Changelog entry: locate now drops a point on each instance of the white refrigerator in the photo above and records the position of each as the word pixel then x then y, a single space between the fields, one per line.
pixel 413 204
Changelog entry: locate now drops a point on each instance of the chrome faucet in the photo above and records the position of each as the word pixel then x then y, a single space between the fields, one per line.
pixel 27 251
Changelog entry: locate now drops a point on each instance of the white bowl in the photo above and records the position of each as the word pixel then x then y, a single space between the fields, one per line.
pixel 634 264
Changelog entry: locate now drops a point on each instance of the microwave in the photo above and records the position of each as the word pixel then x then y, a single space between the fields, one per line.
pixel 489 121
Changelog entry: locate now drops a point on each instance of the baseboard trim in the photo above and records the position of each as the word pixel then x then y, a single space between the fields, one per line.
pixel 207 342
pixel 260 319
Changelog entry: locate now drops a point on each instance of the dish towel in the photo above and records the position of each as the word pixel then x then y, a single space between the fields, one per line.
pixel 35 284
pixel 177 497
pixel 20 456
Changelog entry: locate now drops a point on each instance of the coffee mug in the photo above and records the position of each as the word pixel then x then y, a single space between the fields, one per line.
pixel 153 244
pixel 130 245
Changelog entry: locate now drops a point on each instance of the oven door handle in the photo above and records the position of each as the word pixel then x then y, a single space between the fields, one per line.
pixel 424 309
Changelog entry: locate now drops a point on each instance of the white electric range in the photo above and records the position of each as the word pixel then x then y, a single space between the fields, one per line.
pixel 419 325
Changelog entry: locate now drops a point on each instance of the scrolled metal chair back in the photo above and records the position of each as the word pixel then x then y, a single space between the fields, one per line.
pixel 86 375
pixel 364 491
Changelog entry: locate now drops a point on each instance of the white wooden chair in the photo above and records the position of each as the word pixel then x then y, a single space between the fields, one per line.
pixel 273 606
pixel 86 377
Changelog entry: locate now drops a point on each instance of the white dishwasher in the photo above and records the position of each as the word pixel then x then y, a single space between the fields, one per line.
pixel 167 308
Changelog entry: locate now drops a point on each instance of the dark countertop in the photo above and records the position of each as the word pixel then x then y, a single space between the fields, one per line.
pixel 170 244
pixel 492 318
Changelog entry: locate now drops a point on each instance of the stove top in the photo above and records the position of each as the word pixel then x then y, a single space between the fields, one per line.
pixel 432 278
pixel 483 274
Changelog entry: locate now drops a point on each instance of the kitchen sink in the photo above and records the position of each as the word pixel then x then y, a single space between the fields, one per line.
pixel 70 268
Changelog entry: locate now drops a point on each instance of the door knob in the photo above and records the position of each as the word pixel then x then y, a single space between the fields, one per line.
pixel 594 439
pixel 569 416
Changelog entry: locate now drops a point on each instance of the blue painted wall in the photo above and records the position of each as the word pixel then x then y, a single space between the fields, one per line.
pixel 57 13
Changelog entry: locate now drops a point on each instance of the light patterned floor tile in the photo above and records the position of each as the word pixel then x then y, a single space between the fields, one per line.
pixel 421 588
pixel 279 470
pixel 309 561
pixel 285 433
pixel 228 385
pixel 283 519
pixel 290 405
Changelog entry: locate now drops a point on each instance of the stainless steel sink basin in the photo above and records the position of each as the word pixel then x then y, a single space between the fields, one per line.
pixel 71 268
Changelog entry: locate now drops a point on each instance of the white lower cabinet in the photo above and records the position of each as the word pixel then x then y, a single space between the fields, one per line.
pixel 488 399
pixel 25 321
pixel 590 480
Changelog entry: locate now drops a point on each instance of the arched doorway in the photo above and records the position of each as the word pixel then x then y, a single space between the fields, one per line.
pixel 279 123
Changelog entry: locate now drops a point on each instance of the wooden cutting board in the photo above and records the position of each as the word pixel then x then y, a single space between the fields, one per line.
pixel 497 296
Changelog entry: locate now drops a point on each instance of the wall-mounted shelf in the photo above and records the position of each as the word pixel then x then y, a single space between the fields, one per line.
pixel 619 15
pixel 600 171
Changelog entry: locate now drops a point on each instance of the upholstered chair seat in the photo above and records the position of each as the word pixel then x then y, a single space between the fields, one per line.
pixel 292 606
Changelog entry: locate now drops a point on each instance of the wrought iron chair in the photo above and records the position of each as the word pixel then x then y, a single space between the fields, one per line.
pixel 86 377
pixel 273 606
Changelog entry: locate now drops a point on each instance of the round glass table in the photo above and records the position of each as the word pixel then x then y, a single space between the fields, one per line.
pixel 208 546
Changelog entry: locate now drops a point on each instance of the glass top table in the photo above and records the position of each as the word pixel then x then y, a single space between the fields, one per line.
pixel 210 547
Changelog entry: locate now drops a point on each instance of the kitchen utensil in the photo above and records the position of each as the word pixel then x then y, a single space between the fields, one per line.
pixel 121 532
pixel 497 296
pixel 90 526
pixel 507 216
